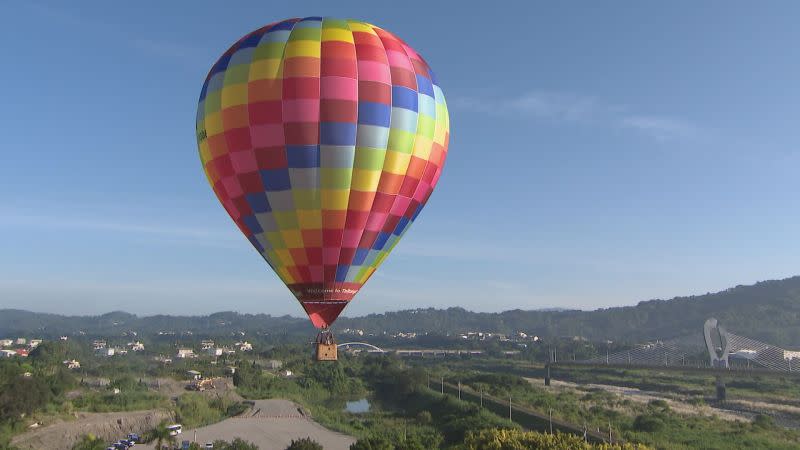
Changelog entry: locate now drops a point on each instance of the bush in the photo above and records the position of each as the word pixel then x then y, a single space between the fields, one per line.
pixel 237 444
pixel 648 423
pixel 304 444
pixel 763 421
pixel 90 442
pixel 505 439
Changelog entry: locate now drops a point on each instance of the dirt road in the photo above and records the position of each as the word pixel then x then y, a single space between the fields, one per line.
pixel 271 425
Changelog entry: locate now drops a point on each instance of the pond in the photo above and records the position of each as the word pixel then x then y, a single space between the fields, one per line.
pixel 357 406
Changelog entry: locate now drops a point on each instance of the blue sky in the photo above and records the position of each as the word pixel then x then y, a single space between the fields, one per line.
pixel 600 155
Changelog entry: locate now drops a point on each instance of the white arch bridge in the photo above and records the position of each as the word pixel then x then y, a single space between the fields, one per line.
pixel 361 346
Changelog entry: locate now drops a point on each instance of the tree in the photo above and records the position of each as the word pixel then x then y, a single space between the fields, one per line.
pixel 305 443
pixel 161 435
pixel 90 442
pixel 23 395
pixel 379 442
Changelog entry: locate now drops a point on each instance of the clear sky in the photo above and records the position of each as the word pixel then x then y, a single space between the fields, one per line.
pixel 601 154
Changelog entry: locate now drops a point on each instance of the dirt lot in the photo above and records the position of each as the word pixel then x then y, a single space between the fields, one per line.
pixel 108 426
pixel 271 425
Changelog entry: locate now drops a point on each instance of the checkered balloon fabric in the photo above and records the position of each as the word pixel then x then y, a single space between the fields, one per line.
pixel 323 139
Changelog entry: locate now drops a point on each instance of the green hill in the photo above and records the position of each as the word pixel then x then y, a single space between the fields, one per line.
pixel 769 311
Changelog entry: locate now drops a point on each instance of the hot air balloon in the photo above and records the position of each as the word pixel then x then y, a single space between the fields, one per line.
pixel 323 140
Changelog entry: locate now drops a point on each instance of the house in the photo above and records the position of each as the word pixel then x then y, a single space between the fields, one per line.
pixel 6 342
pixel 105 351
pixel 274 364
pixel 136 346
pixel 63 338
pixel 206 344
pixel 244 346
pixel 214 351
pixel 184 353
pixel 230 370
pixel 23 352
pixel 98 344
pixel 21 341
pixel 7 353
pixel 194 375
pixel 34 343
pixel 286 373
pixel 72 364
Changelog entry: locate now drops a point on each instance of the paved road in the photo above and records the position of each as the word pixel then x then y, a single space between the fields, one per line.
pixel 270 424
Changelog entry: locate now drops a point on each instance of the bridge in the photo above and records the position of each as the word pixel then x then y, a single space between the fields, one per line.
pixel 726 350
pixel 359 346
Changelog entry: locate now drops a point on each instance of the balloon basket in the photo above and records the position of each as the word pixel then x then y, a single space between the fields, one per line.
pixel 325 346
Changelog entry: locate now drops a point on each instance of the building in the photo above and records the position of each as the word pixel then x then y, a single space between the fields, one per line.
pixel 184 353
pixel 63 338
pixel 194 375
pixel 136 346
pixel 34 343
pixel 274 364
pixel 7 353
pixel 72 364
pixel 104 351
pixel 23 352
pixel 230 370
pixel 244 346
pixel 6 342
pixel 286 373
pixel 21 341
pixel 791 354
pixel 214 351
pixel 206 344
pixel 98 344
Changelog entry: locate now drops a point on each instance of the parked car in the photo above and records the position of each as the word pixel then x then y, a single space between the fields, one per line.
pixel 133 437
pixel 209 445
pixel 175 430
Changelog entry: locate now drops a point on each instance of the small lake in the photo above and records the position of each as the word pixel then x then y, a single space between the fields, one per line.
pixel 357 406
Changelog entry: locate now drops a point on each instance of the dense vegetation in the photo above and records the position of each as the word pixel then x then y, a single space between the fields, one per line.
pixel 768 311
pixel 504 439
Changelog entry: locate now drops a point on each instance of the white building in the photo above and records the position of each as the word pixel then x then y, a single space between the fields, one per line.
pixel 21 341
pixel 244 346
pixel 34 343
pixel 184 353
pixel 214 351
pixel 7 353
pixel 274 364
pixel 6 342
pixel 136 346
pixel 791 354
pixel 105 351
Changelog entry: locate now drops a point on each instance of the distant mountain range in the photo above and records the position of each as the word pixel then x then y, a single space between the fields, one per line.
pixel 768 311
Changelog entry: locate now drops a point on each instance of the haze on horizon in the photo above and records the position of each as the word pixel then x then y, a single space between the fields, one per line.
pixel 600 155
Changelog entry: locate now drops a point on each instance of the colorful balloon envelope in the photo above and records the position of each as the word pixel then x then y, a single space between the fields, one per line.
pixel 323 139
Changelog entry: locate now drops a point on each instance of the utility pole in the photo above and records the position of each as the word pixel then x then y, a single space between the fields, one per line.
pixel 609 433
pixel 551 420
pixel 442 384
pixel 509 406
pixel 481 397
pixel 606 356
pixel 459 389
